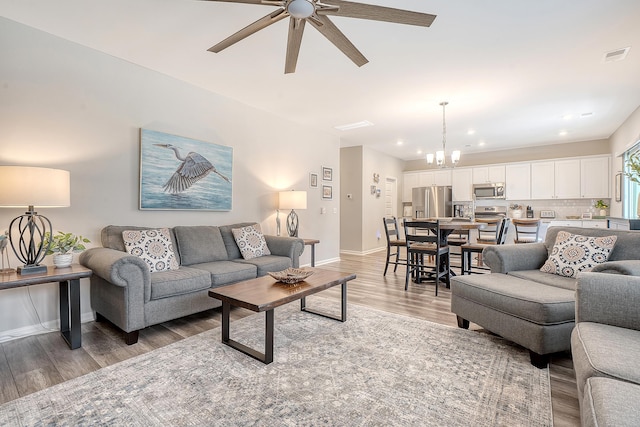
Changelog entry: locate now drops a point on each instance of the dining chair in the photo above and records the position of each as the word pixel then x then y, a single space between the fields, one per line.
pixel 489 234
pixel 394 243
pixel 425 238
pixel 477 248
pixel 527 230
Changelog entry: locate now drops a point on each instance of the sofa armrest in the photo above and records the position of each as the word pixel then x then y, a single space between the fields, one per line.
pixel 116 267
pixel 291 247
pixel 630 267
pixel 612 299
pixel 506 258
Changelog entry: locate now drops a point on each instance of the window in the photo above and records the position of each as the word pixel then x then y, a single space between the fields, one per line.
pixel 630 189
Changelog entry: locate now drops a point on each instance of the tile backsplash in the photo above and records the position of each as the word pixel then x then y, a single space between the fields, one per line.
pixel 562 208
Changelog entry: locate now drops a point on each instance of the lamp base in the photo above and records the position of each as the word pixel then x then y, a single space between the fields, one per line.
pixel 31 269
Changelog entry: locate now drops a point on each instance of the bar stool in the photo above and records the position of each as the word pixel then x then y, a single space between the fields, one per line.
pixel 470 248
pixel 393 244
pixel 527 230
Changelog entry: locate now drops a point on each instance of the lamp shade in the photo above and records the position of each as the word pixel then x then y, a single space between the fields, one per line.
pixel 22 186
pixel 293 200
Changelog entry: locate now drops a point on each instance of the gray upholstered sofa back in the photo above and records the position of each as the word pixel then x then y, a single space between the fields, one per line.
pixel 626 246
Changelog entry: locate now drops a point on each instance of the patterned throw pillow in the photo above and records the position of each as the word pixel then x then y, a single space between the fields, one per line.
pixel 153 246
pixel 573 253
pixel 251 241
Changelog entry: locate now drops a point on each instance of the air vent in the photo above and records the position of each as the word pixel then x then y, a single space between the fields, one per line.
pixel 616 55
pixel 362 124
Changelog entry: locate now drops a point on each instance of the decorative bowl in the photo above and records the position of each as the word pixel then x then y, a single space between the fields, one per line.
pixel 291 275
pixel 573 216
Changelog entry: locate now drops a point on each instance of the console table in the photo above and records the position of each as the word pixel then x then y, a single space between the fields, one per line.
pixel 312 243
pixel 69 282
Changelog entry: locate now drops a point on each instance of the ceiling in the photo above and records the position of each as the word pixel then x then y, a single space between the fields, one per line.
pixel 512 71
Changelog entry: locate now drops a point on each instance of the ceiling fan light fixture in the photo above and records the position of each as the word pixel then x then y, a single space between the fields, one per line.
pixel 301 9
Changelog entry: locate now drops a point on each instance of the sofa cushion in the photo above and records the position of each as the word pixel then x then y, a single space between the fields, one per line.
pixel 545 278
pixel 268 263
pixel 198 244
pixel 573 253
pixel 229 241
pixel 178 282
pixel 537 303
pixel 226 272
pixel 608 402
pixel 250 241
pixel 153 246
pixel 111 237
pixel 601 350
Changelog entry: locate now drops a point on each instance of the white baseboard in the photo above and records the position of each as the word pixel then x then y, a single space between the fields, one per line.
pixel 323 262
pixel 46 327
pixel 363 253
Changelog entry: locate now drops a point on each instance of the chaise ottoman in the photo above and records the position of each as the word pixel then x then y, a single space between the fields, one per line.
pixel 539 317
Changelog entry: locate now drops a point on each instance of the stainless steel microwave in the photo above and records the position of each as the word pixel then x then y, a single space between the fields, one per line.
pixel 489 191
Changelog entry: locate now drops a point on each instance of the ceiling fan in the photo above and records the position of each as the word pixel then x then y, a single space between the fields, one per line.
pixel 315 13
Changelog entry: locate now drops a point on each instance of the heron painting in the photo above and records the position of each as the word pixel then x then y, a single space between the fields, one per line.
pixel 183 173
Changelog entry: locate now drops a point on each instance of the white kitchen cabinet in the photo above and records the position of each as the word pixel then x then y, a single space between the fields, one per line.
pixel 410 180
pixel 542 180
pixel 518 181
pixel 567 179
pixel 462 184
pixel 565 223
pixel 485 174
pixel 595 224
pixel 594 178
pixel 558 179
pixel 437 177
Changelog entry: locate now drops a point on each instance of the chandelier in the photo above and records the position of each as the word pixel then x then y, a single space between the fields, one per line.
pixel 441 155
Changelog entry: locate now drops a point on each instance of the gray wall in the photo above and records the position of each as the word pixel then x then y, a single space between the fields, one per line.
pixel 65 106
pixel 361 220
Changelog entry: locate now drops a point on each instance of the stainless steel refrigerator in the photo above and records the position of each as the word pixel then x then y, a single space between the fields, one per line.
pixel 432 202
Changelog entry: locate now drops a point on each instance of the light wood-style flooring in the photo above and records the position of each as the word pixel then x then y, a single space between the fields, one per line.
pixel 38 362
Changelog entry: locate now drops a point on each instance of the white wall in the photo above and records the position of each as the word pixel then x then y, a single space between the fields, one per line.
pixel 621 140
pixel 66 106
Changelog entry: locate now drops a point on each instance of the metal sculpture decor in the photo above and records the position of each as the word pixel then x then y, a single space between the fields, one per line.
pixel 183 173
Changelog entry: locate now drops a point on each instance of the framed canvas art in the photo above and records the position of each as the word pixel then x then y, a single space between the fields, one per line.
pixel 327 174
pixel 184 174
pixel 327 192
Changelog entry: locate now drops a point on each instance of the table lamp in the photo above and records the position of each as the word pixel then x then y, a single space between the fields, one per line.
pixel 30 186
pixel 293 200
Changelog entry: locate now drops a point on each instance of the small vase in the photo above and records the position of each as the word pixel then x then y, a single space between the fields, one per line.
pixel 62 260
pixel 603 212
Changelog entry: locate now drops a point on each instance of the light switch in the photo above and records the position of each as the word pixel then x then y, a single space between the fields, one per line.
pixel 323 210
pixel 335 210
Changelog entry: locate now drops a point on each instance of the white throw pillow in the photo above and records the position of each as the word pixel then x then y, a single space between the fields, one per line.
pixel 573 253
pixel 251 241
pixel 153 246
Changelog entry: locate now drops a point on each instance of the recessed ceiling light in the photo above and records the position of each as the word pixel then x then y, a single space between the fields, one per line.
pixel 563 133
pixel 567 117
pixel 356 125
pixel 399 142
pixel 419 152
pixel 471 131
pixel 482 143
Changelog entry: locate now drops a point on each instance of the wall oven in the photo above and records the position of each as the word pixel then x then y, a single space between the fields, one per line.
pixel 489 191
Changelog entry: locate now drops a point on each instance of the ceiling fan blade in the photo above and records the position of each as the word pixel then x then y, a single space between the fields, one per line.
pixel 335 36
pixel 296 29
pixel 244 1
pixel 378 13
pixel 260 24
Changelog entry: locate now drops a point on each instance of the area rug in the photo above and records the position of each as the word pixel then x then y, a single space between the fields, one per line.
pixel 376 369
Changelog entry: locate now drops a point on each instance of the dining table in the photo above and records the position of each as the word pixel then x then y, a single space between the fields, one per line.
pixel 447 227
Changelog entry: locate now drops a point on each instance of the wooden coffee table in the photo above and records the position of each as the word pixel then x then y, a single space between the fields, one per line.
pixel 265 294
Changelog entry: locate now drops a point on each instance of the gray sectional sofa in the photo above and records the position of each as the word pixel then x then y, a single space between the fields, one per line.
pixel 124 292
pixel 519 302
pixel 605 345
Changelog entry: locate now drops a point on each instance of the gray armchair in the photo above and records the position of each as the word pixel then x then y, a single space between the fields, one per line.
pixel 605 345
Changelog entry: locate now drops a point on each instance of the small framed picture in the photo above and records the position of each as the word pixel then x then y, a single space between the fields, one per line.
pixel 327 174
pixel 586 215
pixel 327 192
pixel 313 180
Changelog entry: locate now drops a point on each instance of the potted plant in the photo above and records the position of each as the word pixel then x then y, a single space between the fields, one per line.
pixel 600 204
pixel 62 246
